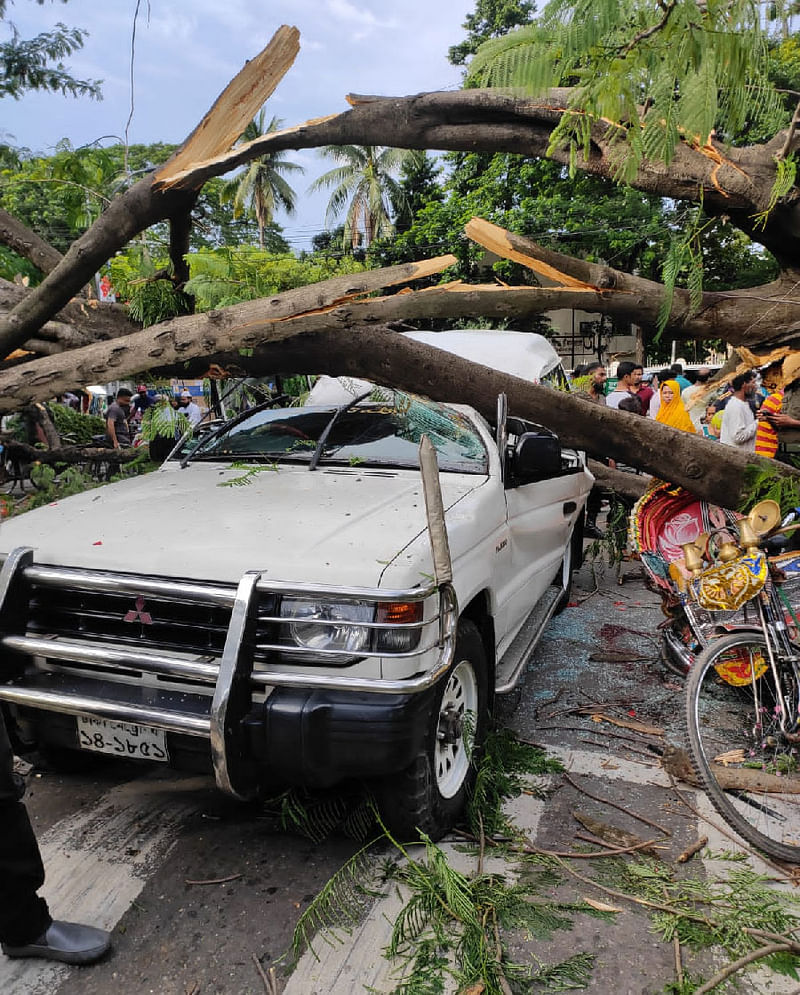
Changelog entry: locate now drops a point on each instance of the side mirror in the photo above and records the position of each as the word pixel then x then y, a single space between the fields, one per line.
pixel 537 456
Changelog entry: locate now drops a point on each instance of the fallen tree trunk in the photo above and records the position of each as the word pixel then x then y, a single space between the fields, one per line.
pixel 21 452
pixel 227 332
pixel 707 468
pixel 736 182
pixel 27 244
pixel 627 485
pixel 80 322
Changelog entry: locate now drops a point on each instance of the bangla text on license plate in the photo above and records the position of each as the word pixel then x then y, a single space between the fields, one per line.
pixel 122 739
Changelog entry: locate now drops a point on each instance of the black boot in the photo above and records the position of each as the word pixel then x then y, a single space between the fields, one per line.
pixel 591 531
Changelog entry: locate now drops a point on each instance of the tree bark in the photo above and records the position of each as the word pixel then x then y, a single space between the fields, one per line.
pixel 227 331
pixel 736 182
pixel 707 468
pixel 27 244
pixel 80 322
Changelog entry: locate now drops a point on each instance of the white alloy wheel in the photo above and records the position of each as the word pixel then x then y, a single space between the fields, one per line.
pixel 455 731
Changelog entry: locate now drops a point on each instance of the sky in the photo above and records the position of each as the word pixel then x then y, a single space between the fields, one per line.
pixel 186 52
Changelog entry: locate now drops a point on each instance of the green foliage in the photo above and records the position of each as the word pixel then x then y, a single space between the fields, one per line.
pixel 785 176
pixel 492 19
pixel 573 973
pixel 449 913
pixel 340 904
pixel 150 301
pixel 657 74
pixel 364 188
pixel 162 421
pixel 767 483
pixel 224 276
pixel 74 428
pixel 35 63
pixel 318 815
pixel 503 771
pixel 251 471
pixel 261 187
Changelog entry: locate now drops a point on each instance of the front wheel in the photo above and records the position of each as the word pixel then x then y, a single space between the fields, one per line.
pixel 430 794
pixel 748 767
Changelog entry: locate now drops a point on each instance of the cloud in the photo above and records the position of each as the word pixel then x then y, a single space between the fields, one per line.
pixel 346 11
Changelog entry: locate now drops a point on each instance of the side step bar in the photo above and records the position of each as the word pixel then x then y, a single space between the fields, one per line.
pixel 510 667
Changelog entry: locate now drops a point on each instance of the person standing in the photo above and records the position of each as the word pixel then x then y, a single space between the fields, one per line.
pixel 695 392
pixel 141 402
pixel 593 386
pixel 117 427
pixel 26 927
pixel 189 408
pixel 655 401
pixel 641 389
pixel 676 371
pixel 624 388
pixel 671 410
pixel 590 382
pixel 738 421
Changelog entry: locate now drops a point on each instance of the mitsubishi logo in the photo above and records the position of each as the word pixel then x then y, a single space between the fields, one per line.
pixel 138 613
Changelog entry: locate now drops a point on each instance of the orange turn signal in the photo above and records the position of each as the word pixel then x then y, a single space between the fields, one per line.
pixel 400 612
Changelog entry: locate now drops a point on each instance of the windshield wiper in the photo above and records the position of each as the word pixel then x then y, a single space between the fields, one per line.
pixel 230 423
pixel 329 427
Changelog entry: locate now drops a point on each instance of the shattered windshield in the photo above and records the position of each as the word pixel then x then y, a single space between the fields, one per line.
pixel 383 430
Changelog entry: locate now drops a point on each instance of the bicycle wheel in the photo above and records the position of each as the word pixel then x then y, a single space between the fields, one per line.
pixel 749 769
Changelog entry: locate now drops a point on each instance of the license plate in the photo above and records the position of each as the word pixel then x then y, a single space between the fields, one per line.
pixel 122 739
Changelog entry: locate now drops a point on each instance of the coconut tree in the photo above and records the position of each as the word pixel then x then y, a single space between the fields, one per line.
pixel 261 186
pixel 365 186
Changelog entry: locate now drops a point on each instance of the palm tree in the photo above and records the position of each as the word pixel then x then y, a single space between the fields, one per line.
pixel 260 186
pixel 365 185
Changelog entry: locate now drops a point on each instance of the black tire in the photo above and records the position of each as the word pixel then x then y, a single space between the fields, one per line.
pixel 721 718
pixel 430 794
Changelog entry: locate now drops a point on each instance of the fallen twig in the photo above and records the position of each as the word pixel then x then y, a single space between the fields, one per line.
pixel 731 836
pixel 267 979
pixel 231 877
pixel 498 953
pixel 620 808
pixel 627 749
pixel 612 834
pixel 734 966
pixel 690 851
pixel 628 724
pixel 596 731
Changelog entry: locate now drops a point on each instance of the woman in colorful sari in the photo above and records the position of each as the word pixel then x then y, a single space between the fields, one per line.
pixel 672 411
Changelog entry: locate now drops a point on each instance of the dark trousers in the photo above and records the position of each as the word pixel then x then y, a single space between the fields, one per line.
pixel 23 914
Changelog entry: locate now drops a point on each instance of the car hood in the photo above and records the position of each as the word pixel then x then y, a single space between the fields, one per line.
pixel 332 526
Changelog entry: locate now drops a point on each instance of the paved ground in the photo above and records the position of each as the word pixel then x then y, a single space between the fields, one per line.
pixel 122 847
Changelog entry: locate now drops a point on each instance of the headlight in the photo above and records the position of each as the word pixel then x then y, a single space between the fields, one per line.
pixel 316 628
pixel 322 625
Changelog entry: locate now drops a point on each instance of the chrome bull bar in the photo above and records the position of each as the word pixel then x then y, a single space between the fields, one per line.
pixel 231 675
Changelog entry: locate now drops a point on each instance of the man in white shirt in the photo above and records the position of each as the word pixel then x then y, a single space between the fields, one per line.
pixel 628 376
pixel 738 421
pixel 189 408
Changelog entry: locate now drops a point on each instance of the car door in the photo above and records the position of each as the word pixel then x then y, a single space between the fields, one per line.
pixel 541 516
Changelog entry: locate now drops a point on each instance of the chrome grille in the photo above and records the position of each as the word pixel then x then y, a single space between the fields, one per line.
pixel 158 622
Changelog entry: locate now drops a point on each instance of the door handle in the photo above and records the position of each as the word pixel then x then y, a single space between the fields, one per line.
pixel 569 507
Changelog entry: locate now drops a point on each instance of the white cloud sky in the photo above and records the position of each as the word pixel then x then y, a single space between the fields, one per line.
pixel 186 53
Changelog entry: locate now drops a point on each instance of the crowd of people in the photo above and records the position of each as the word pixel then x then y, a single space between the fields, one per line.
pixel 745 411
pixel 127 411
